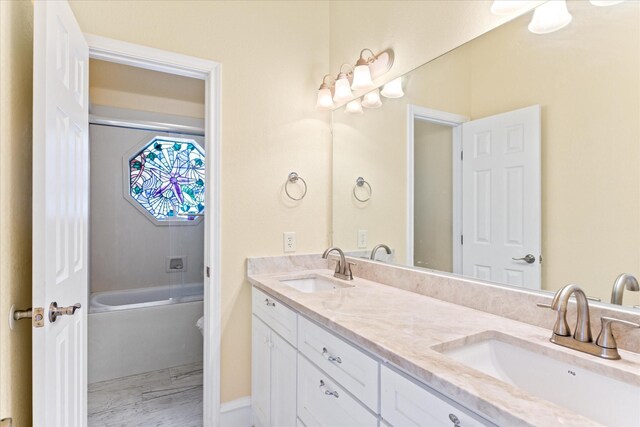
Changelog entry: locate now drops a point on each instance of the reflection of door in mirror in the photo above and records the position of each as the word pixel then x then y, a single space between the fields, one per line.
pixel 496 204
pixel 501 198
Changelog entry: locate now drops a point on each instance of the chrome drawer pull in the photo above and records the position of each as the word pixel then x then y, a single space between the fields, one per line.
pixel 329 357
pixel 327 392
pixel 269 303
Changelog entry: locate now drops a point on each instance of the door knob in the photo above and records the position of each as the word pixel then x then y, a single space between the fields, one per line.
pixel 55 311
pixel 528 258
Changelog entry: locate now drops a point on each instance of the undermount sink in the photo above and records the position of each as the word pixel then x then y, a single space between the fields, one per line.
pixel 596 396
pixel 314 284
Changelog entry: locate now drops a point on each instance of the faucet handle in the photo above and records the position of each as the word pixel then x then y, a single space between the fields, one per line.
pixel 606 338
pixel 543 305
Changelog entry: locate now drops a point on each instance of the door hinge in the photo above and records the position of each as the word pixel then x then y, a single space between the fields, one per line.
pixel 462 155
pixel 208 272
pixel 462 239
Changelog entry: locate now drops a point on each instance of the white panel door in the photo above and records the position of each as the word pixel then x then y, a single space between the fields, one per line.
pixel 502 198
pixel 60 212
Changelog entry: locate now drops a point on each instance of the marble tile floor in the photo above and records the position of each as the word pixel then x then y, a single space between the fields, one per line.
pixel 167 397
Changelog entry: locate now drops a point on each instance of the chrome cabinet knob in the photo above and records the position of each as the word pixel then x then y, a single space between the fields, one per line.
pixel 55 311
pixel 528 258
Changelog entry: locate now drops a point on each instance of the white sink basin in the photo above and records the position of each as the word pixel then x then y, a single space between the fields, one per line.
pixel 314 284
pixel 596 396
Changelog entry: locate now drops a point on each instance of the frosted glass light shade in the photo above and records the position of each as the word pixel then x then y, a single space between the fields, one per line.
pixel 354 107
pixel 605 2
pixel 362 78
pixel 508 7
pixel 549 17
pixel 325 102
pixel 342 89
pixel 372 99
pixel 393 89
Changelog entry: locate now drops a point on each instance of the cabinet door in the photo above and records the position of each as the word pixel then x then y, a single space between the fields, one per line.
pixel 283 383
pixel 260 374
pixel 405 403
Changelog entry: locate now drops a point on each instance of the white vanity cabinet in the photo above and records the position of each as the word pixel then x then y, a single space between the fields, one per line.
pixel 306 376
pixel 405 403
pixel 273 378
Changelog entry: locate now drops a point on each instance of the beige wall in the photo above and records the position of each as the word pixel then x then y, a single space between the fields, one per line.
pixel 587 81
pixel 273 55
pixel 122 86
pixel 433 196
pixel 16 64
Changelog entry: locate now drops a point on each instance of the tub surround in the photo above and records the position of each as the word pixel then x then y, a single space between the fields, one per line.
pixel 408 330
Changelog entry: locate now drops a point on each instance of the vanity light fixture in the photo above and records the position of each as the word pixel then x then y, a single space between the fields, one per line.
pixel 372 99
pixel 361 73
pixel 393 89
pixel 354 107
pixel 325 99
pixel 342 90
pixel 605 2
pixel 549 17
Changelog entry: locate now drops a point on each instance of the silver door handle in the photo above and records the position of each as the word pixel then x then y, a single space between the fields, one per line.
pixel 528 258
pixel 55 311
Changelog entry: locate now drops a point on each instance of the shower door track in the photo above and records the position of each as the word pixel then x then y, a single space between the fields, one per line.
pixel 146 125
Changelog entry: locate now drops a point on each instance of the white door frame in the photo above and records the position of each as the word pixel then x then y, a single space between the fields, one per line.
pixel 173 63
pixel 446 119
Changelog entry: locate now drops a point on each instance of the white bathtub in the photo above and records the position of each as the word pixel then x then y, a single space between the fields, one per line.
pixel 142 330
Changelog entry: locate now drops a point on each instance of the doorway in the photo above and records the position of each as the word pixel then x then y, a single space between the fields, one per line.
pixel 147 157
pixel 60 214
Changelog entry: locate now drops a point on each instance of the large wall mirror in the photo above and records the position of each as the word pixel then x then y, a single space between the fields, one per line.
pixel 514 158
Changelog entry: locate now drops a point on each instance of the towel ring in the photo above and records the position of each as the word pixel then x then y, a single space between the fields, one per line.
pixel 293 178
pixel 360 182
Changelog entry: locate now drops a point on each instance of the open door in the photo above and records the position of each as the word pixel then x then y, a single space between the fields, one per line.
pixel 501 206
pixel 60 214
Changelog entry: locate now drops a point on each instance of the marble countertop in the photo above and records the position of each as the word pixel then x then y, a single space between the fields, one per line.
pixel 403 328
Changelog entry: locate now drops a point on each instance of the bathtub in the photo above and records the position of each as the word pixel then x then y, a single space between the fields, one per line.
pixel 140 330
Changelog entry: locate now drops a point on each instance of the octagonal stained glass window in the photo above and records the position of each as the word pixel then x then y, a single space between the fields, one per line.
pixel 166 179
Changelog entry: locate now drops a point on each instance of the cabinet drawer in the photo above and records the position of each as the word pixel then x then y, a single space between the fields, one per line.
pixel 323 403
pixel 353 369
pixel 405 403
pixel 276 315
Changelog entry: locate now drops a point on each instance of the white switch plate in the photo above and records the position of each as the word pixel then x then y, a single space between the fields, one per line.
pixel 363 236
pixel 289 241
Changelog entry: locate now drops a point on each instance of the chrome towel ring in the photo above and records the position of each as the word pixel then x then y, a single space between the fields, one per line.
pixel 293 178
pixel 361 182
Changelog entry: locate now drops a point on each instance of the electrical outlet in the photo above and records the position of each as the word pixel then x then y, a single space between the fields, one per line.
pixel 363 236
pixel 289 241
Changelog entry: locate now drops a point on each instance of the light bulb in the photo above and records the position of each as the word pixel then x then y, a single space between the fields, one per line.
pixel 549 17
pixel 325 102
pixel 354 107
pixel 372 99
pixel 508 7
pixel 362 77
pixel 605 2
pixel 393 89
pixel 342 89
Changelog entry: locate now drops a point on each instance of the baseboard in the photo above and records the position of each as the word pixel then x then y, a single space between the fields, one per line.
pixel 236 413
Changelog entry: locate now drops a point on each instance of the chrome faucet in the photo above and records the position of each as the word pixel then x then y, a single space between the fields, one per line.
pixel 605 345
pixel 343 268
pixel 377 247
pixel 623 281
